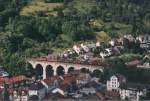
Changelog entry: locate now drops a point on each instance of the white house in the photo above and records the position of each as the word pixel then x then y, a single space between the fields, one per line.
pixel 3 73
pixel 144 38
pixel 106 53
pixel 114 82
pixel 98 44
pixel 83 79
pixel 18 96
pixel 85 48
pixel 77 49
pixel 88 56
pixel 131 92
pixel 145 65
pixel 129 37
pixel 37 89
pixel 144 41
pixel 68 52
pixel 91 45
pixel 112 42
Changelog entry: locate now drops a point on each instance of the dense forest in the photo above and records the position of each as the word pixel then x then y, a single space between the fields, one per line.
pixel 30 28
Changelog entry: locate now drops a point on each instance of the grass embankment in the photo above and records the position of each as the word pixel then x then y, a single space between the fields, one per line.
pixel 40 6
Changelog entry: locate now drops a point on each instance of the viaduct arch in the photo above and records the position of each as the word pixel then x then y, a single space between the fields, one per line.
pixel 51 67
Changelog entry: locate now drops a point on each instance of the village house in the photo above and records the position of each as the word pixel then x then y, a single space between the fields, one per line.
pixel 37 89
pixel 83 79
pixel 77 49
pixel 145 64
pixel 19 81
pixel 114 82
pixel 88 56
pixel 17 87
pixel 85 48
pixel 112 43
pixel 19 94
pixel 67 85
pixel 3 73
pixel 62 85
pixel 144 41
pixel 91 45
pixel 145 38
pixel 129 37
pixel 132 92
pixel 106 53
pixel 68 53
pixel 51 83
pixel 112 95
pixel 15 82
pixel 98 44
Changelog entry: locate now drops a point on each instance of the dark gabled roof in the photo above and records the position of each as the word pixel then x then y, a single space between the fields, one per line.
pixel 36 86
pixel 133 63
pixel 119 76
pixel 132 86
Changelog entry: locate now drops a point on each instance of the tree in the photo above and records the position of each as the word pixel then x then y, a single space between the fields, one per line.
pixel 84 70
pixel 97 73
pixel 49 71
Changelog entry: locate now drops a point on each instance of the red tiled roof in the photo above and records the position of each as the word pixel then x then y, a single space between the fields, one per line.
pixel 18 78
pixel 82 75
pixel 4 80
pixel 68 79
pixel 50 80
pixel 19 90
pixel 13 79
pixel 100 95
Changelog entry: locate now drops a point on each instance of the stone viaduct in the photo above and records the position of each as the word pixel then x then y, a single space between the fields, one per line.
pixel 44 63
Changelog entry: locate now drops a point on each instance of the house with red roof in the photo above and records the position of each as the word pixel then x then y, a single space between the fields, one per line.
pixel 15 82
pixel 51 83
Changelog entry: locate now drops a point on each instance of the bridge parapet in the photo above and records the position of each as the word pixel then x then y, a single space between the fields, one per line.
pixel 95 62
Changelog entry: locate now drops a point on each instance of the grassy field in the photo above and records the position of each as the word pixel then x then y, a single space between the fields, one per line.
pixel 40 6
